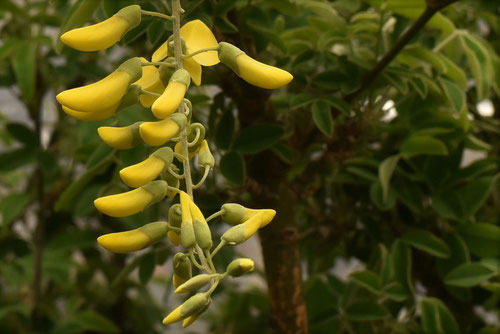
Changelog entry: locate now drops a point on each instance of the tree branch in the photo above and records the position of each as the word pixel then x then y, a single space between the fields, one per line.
pixel 433 6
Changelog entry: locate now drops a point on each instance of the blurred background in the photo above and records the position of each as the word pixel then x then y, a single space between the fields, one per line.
pixel 387 193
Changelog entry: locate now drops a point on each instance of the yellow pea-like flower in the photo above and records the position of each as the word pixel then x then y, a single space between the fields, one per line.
pixel 202 232
pixel 173 95
pixel 150 82
pixel 102 35
pixel 205 157
pixel 134 240
pixel 105 93
pixel 90 116
pixel 132 202
pixel 139 174
pixel 189 320
pixel 198 36
pixel 235 214
pixel 251 70
pixel 188 238
pixel 189 64
pixel 192 306
pixel 242 232
pixel 194 283
pixel 182 269
pixel 120 137
pixel 240 266
pixel 158 133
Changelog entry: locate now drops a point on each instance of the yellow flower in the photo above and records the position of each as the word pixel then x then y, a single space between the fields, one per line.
pixel 158 133
pixel 173 95
pixel 102 35
pixel 192 306
pixel 251 70
pixel 188 238
pixel 150 82
pixel 134 240
pixel 120 137
pixel 139 174
pixel 105 93
pixel 132 202
pixel 239 267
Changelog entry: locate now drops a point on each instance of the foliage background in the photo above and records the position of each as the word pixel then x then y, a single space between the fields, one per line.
pixel 399 181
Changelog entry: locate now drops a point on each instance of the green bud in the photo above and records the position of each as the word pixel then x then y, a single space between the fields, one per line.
pixel 202 234
pixel 195 304
pixel 181 76
pixel 235 235
pixel 174 215
pixel 180 119
pixel 233 213
pixel 228 54
pixel 136 136
pixel 132 14
pixel 182 269
pixel 131 97
pixel 205 157
pixel 166 154
pixel 240 266
pixel 194 283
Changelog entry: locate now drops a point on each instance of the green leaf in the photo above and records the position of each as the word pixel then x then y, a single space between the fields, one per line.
pixel 155 31
pixel 427 242
pixel 480 64
pixel 257 138
pixel 455 95
pixel 9 47
pixel 232 166
pixel 224 131
pixel 468 274
pixel 420 52
pixel 77 16
pixel 475 193
pixel 300 100
pixel 92 321
pixel 395 291
pixel 376 195
pixel 147 267
pixel 338 104
pixel 322 117
pixel 417 145
pixel 24 65
pixel 65 201
pixel 385 171
pixel 483 239
pixel 368 280
pixel 12 206
pixel 436 318
pixel 366 310
pixel 16 158
pixel 401 264
pixel 285 153
pixel 22 134
pixel 454 72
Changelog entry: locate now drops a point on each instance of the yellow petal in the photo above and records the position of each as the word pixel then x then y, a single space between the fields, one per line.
pixel 175 238
pixel 158 133
pixel 198 36
pixel 267 215
pixel 260 74
pixel 124 204
pixel 124 242
pixel 117 137
pixel 170 100
pixel 160 53
pixel 91 116
pixel 101 95
pixel 177 280
pixel 139 174
pixel 189 320
pixel 174 316
pixel 98 36
pixel 194 69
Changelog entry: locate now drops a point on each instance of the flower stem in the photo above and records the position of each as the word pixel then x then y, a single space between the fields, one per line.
pixel 205 175
pixel 156 63
pixel 213 48
pixel 156 14
pixel 215 215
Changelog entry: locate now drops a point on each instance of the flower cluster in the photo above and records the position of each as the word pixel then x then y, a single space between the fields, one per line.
pixel 161 85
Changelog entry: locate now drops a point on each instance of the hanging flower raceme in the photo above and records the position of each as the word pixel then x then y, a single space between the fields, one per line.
pixel 162 86
pixel 102 35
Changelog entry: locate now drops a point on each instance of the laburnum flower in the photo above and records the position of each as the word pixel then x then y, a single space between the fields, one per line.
pixel 196 36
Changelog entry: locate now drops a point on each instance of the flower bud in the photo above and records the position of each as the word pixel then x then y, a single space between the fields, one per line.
pixel 158 133
pixel 175 220
pixel 132 202
pixel 134 240
pixel 233 213
pixel 205 157
pixel 251 70
pixel 139 174
pixel 102 35
pixel 194 283
pixel 120 137
pixel 239 267
pixel 192 306
pixel 105 93
pixel 182 269
pixel 242 232
pixel 201 229
pixel 173 95
pixel 189 320
pixel 188 238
